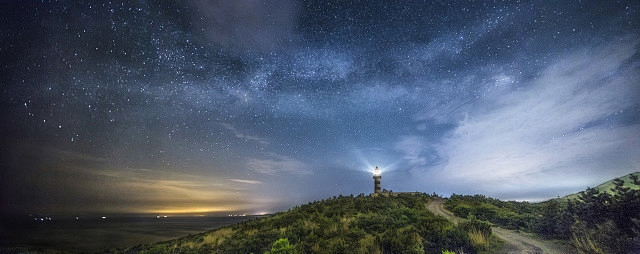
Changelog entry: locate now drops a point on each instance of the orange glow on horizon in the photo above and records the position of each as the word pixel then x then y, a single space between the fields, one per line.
pixel 189 210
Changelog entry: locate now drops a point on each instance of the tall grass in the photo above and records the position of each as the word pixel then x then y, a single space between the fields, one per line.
pixel 479 239
pixel 588 240
pixel 479 233
pixel 585 245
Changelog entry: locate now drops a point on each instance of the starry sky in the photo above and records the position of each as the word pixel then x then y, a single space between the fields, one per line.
pixel 256 106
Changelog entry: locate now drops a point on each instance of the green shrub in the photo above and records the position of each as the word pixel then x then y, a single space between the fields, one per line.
pixel 282 247
pixel 461 210
pixel 485 212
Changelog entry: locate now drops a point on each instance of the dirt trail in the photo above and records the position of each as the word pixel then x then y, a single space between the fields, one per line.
pixel 515 242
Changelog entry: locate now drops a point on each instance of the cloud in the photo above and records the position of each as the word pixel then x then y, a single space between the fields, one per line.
pixel 134 190
pixel 64 181
pixel 245 181
pixel 413 148
pixel 277 164
pixel 243 136
pixel 560 129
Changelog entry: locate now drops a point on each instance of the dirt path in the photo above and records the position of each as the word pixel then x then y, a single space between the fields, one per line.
pixel 515 242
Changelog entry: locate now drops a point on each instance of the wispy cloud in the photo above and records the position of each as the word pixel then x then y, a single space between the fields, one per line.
pixel 276 164
pixel 245 181
pixel 77 182
pixel 562 127
pixel 238 134
pixel 413 148
pixel 451 44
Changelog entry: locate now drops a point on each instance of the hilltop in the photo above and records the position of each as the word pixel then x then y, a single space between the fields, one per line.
pixel 360 224
pixel 607 186
pixel 402 224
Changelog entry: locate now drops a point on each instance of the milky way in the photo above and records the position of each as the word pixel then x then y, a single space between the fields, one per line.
pixel 252 106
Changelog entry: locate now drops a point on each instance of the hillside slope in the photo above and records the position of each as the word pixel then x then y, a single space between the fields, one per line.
pixel 607 186
pixel 593 222
pixel 361 224
pixel 515 241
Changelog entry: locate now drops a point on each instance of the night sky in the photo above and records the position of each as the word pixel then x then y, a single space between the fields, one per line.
pixel 256 106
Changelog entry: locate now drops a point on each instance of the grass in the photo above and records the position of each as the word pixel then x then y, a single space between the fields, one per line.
pixel 495 244
pixel 479 239
pixel 217 236
pixel 586 245
pixel 479 232
pixel 362 224
pixel 608 186
pixel 492 244
pixel 485 243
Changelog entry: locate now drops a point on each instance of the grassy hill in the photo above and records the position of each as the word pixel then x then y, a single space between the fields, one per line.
pixel 361 224
pixel 607 186
pixel 604 221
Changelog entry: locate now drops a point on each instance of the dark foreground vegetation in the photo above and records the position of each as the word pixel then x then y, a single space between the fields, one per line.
pixel 362 224
pixel 596 221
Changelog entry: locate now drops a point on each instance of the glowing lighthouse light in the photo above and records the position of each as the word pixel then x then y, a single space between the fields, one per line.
pixel 376 180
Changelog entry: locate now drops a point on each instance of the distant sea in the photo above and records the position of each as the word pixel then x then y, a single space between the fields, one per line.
pixel 96 234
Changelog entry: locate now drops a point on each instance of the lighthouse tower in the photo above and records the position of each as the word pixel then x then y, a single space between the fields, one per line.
pixel 376 180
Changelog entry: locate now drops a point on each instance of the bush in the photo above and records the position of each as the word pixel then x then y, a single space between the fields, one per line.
pixel 462 210
pixel 485 212
pixel 282 247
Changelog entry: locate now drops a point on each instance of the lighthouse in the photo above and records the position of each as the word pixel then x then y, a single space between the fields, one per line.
pixel 376 180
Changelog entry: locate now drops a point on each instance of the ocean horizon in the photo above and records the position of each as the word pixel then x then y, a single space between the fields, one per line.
pixel 91 234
